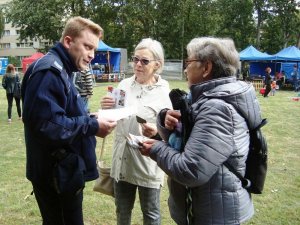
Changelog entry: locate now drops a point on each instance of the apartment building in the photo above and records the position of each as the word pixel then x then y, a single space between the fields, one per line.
pixel 10 45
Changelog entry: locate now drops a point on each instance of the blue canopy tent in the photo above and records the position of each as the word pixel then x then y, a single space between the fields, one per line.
pixel 252 54
pixel 288 54
pixel 259 61
pixel 107 60
pixel 289 57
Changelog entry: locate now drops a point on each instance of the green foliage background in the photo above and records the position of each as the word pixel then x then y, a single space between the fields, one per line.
pixel 268 25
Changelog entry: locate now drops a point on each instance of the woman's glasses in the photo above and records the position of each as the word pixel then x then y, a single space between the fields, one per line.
pixel 189 61
pixel 143 61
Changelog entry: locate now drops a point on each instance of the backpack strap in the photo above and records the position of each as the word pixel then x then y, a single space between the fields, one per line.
pixel 246 183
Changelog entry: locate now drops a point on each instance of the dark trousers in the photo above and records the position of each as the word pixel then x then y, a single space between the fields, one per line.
pixel 10 98
pixel 58 209
pixel 267 91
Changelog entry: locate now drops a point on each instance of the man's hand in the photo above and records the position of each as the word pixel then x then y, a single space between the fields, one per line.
pixel 146 146
pixel 171 119
pixel 105 127
pixel 108 102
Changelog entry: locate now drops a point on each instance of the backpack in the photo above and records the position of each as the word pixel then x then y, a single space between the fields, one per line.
pixel 256 163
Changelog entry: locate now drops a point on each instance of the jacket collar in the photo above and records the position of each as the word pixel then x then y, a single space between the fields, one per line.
pixel 198 89
pixel 158 83
pixel 65 57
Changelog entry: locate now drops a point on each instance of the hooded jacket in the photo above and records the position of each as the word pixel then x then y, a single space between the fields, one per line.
pixel 219 134
pixel 54 116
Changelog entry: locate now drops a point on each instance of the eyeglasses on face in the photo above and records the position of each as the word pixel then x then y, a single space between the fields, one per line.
pixel 189 61
pixel 143 61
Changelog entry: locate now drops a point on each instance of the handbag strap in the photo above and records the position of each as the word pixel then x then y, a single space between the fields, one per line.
pixel 102 149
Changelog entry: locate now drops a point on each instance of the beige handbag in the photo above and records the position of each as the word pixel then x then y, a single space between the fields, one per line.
pixel 105 183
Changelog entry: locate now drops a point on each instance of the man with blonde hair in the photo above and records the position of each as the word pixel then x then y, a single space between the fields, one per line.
pixel 59 134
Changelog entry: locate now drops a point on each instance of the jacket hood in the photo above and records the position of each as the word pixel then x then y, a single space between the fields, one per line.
pixel 239 94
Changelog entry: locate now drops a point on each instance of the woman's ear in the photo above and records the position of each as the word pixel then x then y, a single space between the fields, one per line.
pixel 157 65
pixel 207 69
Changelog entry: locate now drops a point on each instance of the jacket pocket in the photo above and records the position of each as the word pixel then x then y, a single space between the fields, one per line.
pixel 68 172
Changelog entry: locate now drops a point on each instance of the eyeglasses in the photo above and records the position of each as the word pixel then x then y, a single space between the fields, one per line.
pixel 189 61
pixel 143 61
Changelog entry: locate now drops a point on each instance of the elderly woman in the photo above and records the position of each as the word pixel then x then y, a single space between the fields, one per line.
pixel 149 93
pixel 220 107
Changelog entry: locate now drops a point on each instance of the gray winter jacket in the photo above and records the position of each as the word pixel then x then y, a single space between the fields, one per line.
pixel 219 134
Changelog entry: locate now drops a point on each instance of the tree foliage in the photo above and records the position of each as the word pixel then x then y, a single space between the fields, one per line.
pixel 269 25
pixel 1 22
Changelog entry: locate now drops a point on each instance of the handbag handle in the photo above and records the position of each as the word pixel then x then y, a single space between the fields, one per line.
pixel 102 149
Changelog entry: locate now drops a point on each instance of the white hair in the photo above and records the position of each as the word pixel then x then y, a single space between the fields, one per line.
pixel 220 51
pixel 155 48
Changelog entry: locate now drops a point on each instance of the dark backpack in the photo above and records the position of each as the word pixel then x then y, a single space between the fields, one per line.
pixel 256 163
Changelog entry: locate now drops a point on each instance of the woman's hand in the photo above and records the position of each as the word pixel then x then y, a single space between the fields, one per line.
pixel 146 146
pixel 149 129
pixel 107 102
pixel 171 119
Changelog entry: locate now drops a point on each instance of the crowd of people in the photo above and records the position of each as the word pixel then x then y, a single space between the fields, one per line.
pixel 60 130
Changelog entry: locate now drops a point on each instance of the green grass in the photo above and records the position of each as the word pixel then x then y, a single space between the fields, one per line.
pixel 278 205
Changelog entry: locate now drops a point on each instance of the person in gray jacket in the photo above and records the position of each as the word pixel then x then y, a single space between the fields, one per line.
pixel 220 105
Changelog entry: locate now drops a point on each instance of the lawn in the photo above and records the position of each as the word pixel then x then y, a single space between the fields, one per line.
pixel 279 204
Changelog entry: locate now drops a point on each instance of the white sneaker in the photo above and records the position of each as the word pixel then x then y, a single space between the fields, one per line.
pixel 9 120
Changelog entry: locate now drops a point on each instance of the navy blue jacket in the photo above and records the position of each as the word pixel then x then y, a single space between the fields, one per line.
pixel 54 116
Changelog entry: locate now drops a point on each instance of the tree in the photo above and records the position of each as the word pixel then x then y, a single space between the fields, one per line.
pixel 1 22
pixel 235 20
pixel 286 16
pixel 268 24
pixel 43 19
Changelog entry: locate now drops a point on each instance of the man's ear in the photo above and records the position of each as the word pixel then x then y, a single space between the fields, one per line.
pixel 207 70
pixel 67 42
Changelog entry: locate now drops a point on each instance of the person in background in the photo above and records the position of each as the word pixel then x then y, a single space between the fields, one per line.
pixel 283 78
pixel 268 80
pixel 246 72
pixel 201 187
pixel 56 126
pixel 83 81
pixel 295 77
pixel 133 172
pixel 9 82
pixel 273 88
pixel 279 79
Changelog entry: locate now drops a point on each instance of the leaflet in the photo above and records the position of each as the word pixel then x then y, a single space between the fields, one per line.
pixel 118 113
pixel 134 140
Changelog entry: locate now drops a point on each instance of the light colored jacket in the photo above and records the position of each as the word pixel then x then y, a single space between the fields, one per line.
pixel 128 164
pixel 219 134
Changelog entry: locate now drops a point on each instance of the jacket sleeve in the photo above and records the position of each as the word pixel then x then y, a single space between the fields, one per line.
pixel 4 81
pixel 162 131
pixel 209 145
pixel 52 113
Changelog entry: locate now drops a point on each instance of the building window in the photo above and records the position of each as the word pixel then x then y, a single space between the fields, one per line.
pixel 18 32
pixel 44 44
pixel 6 20
pixel 6 32
pixel 25 45
pixel 5 45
